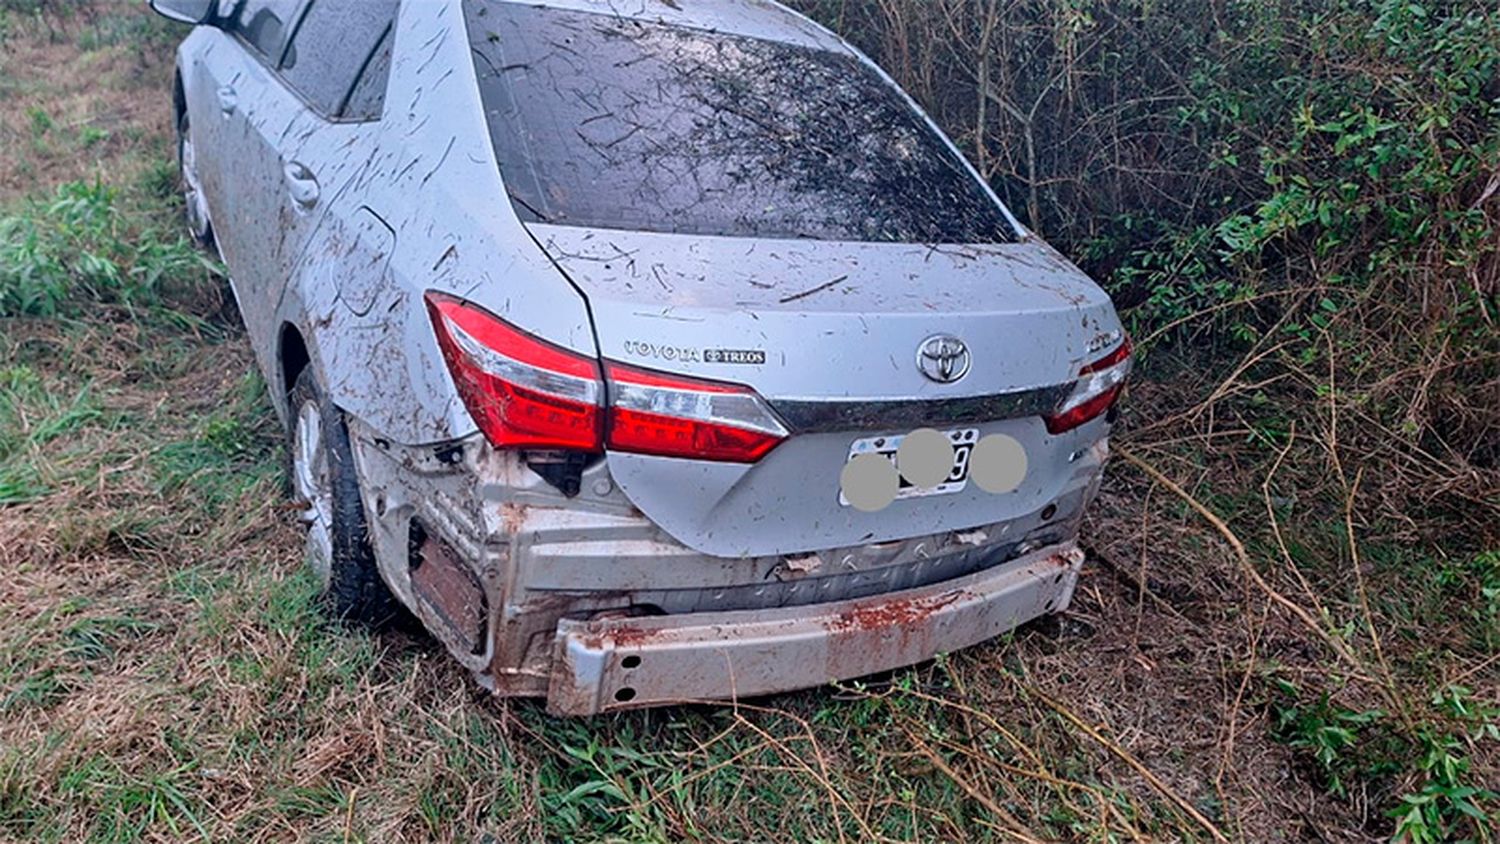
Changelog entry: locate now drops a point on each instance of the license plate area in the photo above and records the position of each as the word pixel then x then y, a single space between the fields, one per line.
pixel 963 441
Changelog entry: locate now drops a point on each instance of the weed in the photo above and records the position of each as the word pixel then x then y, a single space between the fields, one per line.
pixel 78 250
pixel 40 690
pixel 1449 802
pixel 94 639
pixel 130 805
pixel 1332 737
pixel 90 136
pixel 32 414
pixel 141 32
pixel 41 121
pixel 231 453
pixel 19 484
pixel 1479 583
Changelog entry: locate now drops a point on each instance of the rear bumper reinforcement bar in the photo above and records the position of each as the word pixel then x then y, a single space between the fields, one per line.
pixel 608 664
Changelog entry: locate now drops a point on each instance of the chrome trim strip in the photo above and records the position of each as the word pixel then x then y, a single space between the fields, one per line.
pixel 820 417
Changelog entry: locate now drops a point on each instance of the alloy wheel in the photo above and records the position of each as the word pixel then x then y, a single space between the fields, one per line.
pixel 314 488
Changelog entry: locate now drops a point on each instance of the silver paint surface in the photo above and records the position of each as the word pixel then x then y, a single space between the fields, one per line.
pixel 336 230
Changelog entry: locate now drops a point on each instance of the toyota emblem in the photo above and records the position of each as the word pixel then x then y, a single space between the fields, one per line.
pixel 944 358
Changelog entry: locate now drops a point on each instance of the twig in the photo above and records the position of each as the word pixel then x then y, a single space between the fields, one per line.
pixel 820 774
pixel 1013 826
pixel 815 291
pixel 1397 700
pixel 1212 309
pixel 1286 553
pixel 1139 586
pixel 1240 554
pixel 1234 711
pixel 349 816
pixel 1124 756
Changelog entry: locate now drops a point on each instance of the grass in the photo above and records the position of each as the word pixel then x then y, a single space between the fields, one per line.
pixel 165 674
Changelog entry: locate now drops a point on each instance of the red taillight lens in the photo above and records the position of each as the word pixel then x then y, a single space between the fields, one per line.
pixel 674 416
pixel 523 392
pixel 1099 387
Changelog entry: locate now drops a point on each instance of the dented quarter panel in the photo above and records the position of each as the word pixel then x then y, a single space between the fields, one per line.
pixel 427 173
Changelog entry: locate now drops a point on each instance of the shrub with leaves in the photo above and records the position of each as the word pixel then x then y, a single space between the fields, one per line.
pixel 78 250
pixel 1296 204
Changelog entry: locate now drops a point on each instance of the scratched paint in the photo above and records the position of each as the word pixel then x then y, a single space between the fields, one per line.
pixel 806 257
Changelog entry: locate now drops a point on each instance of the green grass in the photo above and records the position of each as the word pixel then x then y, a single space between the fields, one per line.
pixel 77 251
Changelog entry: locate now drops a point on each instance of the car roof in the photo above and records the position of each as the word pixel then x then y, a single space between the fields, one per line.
pixel 763 19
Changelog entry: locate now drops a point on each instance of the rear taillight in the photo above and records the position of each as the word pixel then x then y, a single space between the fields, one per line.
pixel 523 392
pixel 1098 388
pixel 673 416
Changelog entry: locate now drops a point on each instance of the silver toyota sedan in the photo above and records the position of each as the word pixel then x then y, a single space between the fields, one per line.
pixel 646 351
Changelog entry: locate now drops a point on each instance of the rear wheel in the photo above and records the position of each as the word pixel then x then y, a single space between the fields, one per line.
pixel 327 490
pixel 200 229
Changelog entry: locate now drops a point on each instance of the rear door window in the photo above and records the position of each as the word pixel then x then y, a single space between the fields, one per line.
pixel 335 41
pixel 367 101
pixel 261 26
pixel 613 122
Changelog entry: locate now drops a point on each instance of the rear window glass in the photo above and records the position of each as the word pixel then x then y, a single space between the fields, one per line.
pixel 368 97
pixel 608 122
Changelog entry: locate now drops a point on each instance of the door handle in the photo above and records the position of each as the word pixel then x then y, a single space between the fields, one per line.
pixel 302 186
pixel 228 99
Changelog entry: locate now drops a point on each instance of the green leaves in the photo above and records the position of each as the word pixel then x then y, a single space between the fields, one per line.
pixel 61 256
pixel 1329 733
pixel 1447 801
pixel 1428 750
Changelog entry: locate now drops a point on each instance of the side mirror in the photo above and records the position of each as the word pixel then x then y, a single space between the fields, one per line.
pixel 185 11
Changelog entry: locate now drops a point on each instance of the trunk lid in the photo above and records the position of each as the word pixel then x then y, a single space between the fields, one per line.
pixel 831 334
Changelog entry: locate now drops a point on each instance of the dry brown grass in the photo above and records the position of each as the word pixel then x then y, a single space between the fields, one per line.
pixel 68 115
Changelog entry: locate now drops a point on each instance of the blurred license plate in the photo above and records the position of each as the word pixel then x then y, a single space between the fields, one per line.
pixel 958 479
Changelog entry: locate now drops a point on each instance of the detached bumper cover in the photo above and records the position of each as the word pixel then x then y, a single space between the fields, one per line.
pixel 602 665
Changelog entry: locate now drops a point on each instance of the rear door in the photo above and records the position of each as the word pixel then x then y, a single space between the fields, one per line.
pixel 338 62
pixel 297 110
pixel 251 36
pixel 242 183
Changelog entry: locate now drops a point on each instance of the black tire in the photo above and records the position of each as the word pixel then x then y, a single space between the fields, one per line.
pixel 355 591
pixel 206 240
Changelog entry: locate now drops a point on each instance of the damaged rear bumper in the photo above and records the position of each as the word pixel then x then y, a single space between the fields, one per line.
pixel 588 603
pixel 600 665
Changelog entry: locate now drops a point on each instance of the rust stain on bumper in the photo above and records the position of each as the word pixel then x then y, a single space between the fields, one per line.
pixel 602 665
pixel 901 613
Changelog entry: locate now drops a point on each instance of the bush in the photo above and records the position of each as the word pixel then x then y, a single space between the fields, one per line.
pixel 1317 179
pixel 1194 157
pixel 1296 204
pixel 77 250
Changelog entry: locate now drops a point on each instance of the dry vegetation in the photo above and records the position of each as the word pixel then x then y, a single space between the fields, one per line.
pixel 1289 630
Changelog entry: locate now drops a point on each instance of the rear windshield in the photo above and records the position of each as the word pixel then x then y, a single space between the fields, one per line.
pixel 609 122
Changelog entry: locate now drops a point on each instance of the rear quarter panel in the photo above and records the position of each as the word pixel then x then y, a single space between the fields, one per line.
pixel 429 177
